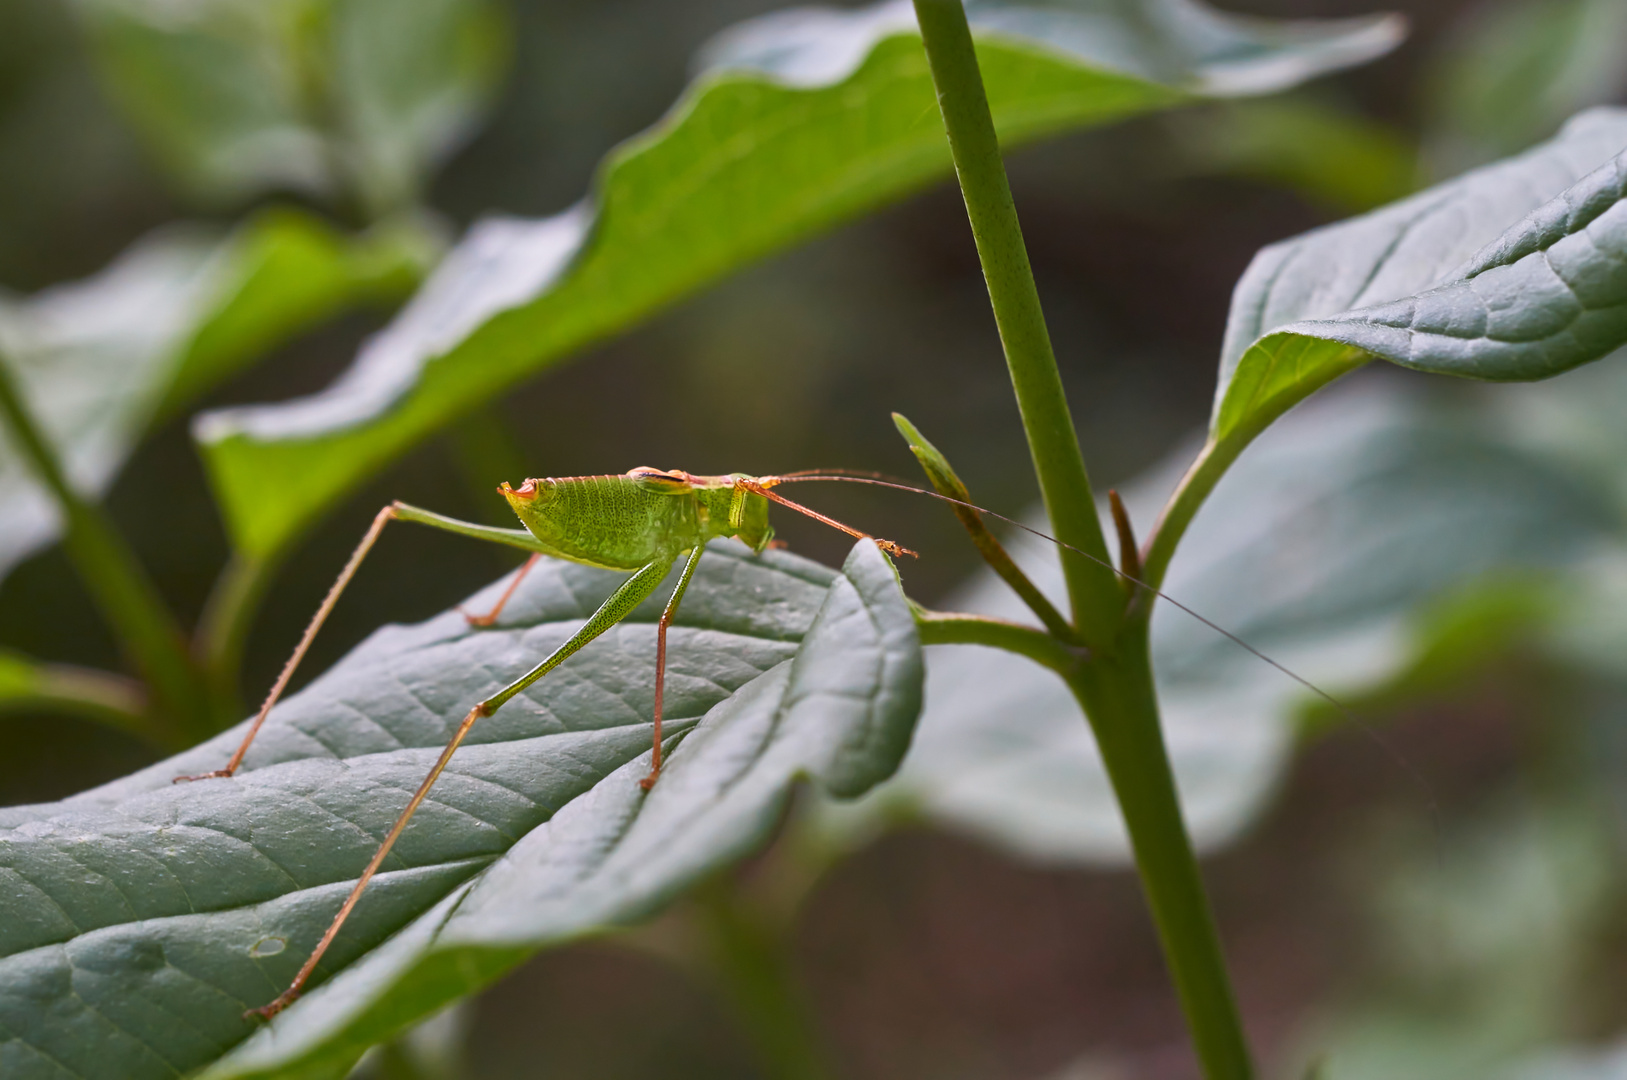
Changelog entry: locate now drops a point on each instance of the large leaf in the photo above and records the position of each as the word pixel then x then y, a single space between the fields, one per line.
pixel 138 921
pixel 1485 936
pixel 805 119
pixel 100 360
pixel 1327 547
pixel 1515 271
pixel 340 97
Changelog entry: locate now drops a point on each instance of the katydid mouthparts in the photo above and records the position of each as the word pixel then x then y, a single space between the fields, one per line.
pixel 641 521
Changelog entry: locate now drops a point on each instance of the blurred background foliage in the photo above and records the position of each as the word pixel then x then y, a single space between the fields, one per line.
pixel 1434 893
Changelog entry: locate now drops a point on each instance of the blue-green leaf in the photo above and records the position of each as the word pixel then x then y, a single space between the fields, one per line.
pixel 139 920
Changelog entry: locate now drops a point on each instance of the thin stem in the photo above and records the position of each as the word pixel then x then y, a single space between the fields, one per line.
pixel 1097 600
pixel 116 581
pixel 1118 695
pixel 954 628
pixel 1113 681
pixel 1220 451
pixel 223 627
pixel 751 959
pixel 67 689
pixel 949 485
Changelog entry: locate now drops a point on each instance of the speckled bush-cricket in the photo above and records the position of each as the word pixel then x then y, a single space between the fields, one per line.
pixel 642 521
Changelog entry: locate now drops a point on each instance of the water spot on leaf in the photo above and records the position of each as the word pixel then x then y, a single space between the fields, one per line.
pixel 268 946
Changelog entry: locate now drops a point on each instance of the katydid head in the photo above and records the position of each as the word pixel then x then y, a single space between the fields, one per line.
pixel 530 502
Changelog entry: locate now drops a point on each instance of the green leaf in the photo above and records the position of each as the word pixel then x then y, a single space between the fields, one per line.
pixel 410 79
pixel 1332 157
pixel 805 119
pixel 1513 272
pixel 1608 1062
pixel 139 920
pixel 101 360
pixel 1513 70
pixel 331 97
pixel 1327 547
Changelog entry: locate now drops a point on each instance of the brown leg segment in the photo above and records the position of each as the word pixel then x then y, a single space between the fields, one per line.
pixel 661 659
pixel 613 610
pixel 383 518
pixel 491 616
pixel 283 999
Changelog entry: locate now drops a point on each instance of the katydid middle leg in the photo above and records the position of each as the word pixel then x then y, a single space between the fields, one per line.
pixel 490 618
pixel 634 591
pixel 667 614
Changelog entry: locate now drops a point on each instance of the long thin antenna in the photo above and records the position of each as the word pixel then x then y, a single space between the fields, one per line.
pixel 877 479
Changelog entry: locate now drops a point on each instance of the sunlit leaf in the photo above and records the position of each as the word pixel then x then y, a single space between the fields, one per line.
pixel 100 360
pixel 805 119
pixel 139 920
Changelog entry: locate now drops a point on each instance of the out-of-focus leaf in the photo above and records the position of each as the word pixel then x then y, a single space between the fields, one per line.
pixel 1572 1063
pixel 101 359
pixel 1515 69
pixel 1480 946
pixel 805 119
pixel 334 97
pixel 1338 159
pixel 1516 271
pixel 431 1049
pixel 410 79
pixel 138 920
pixel 1319 548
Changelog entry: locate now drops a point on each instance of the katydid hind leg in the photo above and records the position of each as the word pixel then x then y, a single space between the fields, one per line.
pixel 394 512
pixel 490 618
pixel 667 615
pixel 634 591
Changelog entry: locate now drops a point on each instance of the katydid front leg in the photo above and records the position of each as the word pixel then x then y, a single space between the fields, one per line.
pixel 621 603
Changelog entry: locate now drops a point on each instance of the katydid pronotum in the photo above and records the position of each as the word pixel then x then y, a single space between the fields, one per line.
pixel 641 521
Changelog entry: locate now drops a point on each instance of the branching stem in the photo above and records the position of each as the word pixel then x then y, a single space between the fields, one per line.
pixel 1112 679
pixel 1097 601
pixel 117 583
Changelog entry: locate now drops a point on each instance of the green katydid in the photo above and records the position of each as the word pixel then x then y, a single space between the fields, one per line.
pixel 641 521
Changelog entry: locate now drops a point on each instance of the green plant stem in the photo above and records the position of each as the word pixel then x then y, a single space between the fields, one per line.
pixel 1097 600
pixel 116 581
pixel 949 485
pixel 223 628
pixel 1118 695
pixel 111 700
pixel 1219 453
pixel 751 960
pixel 954 628
pixel 1113 681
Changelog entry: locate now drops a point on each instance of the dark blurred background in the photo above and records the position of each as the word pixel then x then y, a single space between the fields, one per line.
pixel 924 955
